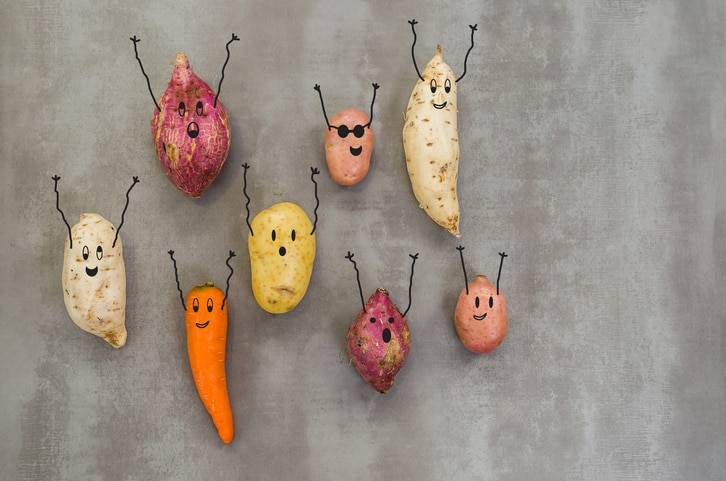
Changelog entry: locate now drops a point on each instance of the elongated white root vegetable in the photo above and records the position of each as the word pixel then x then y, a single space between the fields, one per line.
pixel 431 143
pixel 94 275
pixel 431 140
pixel 94 279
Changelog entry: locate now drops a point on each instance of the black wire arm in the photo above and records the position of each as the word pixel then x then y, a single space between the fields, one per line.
pixel 244 191
pixel 136 181
pixel 231 271
pixel 463 267
pixel 410 282
pixel 57 206
pixel 219 86
pixel 176 276
pixel 148 82
pixel 503 255
pixel 357 277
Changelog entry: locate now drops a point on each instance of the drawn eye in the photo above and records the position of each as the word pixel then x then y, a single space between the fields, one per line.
pixel 210 305
pixel 390 320
pixel 274 235
pixel 491 302
pixel 195 305
pixel 293 235
pixel 99 252
pixel 182 109
pixel 358 131
pixel 447 86
pixel 433 85
pixel 343 131
pixel 373 320
pixel 200 107
pixel 85 253
pixel 476 302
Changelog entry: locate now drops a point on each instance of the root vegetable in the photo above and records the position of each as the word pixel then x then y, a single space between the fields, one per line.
pixel 281 243
pixel 379 339
pixel 94 276
pixel 349 142
pixel 190 129
pixel 481 318
pixel 431 140
pixel 206 326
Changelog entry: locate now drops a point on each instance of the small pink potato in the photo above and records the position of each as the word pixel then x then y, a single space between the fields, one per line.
pixel 348 146
pixel 481 316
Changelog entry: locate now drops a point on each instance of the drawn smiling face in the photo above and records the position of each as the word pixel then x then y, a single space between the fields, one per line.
pixel 481 318
pixel 282 253
pixel 203 304
pixel 93 253
pixel 437 87
pixel 348 146
pixel 209 307
pixel 86 254
pixel 94 279
pixel 205 314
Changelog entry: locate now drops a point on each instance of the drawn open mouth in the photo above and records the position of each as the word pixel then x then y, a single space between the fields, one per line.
pixel 91 272
pixel 480 318
pixel 440 106
pixel 386 335
pixel 193 130
pixel 202 326
pixel 356 151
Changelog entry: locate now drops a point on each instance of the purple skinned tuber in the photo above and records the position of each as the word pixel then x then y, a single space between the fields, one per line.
pixel 190 129
pixel 379 339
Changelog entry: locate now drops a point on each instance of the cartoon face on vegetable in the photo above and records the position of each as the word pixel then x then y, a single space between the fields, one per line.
pixel 431 138
pixel 480 318
pixel 379 340
pixel 348 142
pixel 190 127
pixel 94 274
pixel 281 244
pixel 206 326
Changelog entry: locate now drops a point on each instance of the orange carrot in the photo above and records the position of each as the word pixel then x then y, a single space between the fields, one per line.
pixel 206 322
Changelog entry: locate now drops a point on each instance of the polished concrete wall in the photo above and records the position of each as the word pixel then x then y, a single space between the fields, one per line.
pixel 593 152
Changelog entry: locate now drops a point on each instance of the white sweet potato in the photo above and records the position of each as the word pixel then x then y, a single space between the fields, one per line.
pixel 431 143
pixel 94 279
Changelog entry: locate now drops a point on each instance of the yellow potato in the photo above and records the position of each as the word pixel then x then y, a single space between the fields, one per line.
pixel 94 279
pixel 282 252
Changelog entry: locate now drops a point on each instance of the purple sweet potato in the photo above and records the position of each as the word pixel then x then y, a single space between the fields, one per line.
pixel 190 130
pixel 379 341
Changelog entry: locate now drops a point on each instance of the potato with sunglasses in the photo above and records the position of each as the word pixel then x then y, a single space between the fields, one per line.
pixel 348 143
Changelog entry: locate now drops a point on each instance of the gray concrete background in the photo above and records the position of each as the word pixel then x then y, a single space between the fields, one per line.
pixel 593 147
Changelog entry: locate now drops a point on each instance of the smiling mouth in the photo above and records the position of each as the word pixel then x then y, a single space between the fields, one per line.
pixel 91 272
pixel 202 326
pixel 440 106
pixel 356 151
pixel 480 318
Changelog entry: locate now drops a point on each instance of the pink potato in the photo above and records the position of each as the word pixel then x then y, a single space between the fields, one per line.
pixel 481 316
pixel 379 341
pixel 348 148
